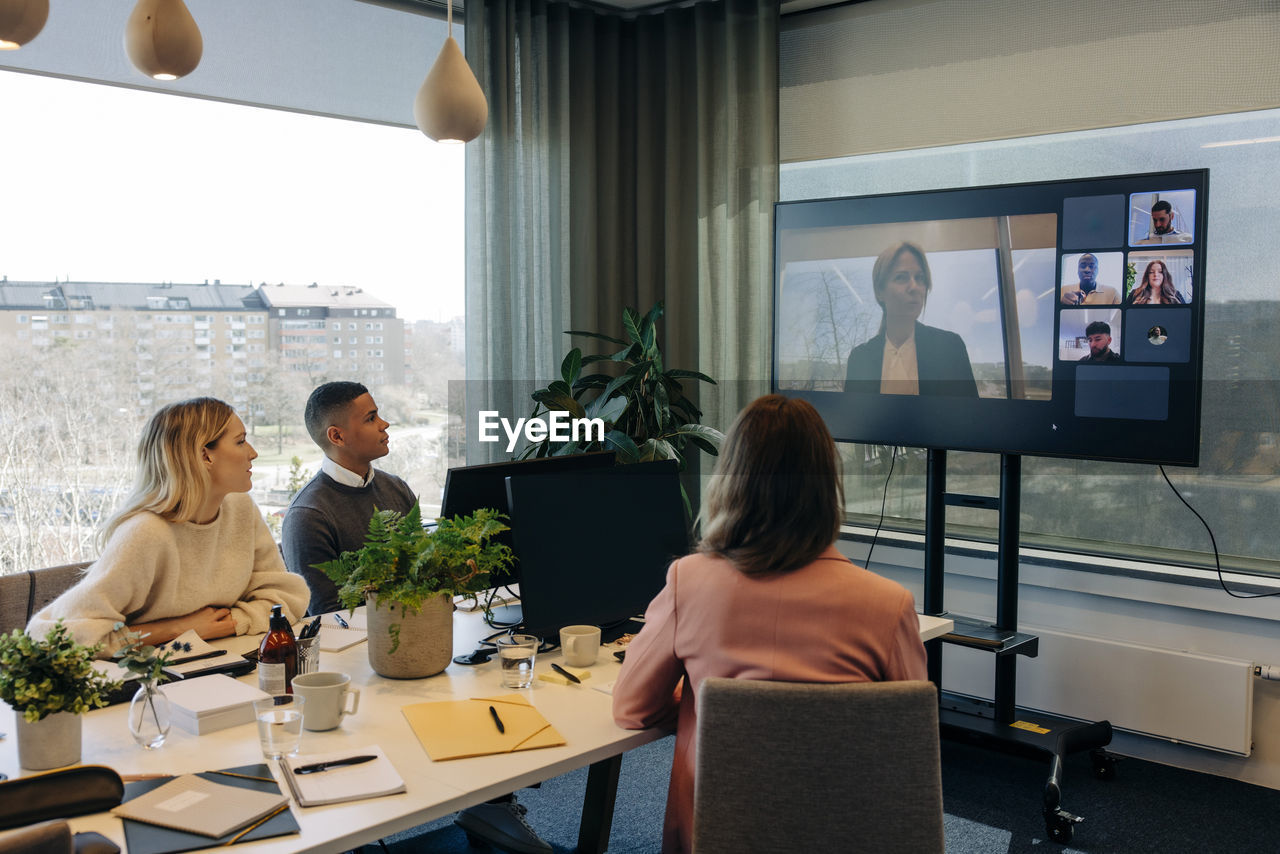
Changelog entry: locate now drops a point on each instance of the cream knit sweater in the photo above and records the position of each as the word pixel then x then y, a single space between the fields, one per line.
pixel 152 569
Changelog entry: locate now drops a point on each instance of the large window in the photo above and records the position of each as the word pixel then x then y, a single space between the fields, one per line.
pixel 148 237
pixel 1122 509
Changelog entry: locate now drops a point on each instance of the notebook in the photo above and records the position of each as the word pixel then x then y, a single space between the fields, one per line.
pixel 152 839
pixel 335 637
pixel 344 783
pixel 196 805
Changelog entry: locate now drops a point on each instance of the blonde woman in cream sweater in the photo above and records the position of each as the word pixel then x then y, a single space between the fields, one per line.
pixel 189 548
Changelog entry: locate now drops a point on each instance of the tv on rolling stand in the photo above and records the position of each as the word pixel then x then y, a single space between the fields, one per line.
pixel 1059 318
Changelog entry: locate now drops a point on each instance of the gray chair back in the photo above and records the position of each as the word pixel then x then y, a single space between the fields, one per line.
pixel 22 594
pixel 788 766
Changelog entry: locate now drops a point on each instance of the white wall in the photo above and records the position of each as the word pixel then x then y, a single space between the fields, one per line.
pixel 1115 605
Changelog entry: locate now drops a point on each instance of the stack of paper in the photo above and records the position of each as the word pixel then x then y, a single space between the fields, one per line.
pixel 210 703
pixel 333 785
pixel 196 805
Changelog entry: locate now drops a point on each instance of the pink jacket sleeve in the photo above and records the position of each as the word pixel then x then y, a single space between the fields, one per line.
pixel 908 658
pixel 645 693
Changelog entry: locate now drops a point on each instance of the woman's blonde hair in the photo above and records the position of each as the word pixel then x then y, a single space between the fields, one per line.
pixel 172 481
pixel 776 499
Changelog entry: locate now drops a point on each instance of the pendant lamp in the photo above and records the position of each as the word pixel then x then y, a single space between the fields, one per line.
pixel 162 39
pixel 450 106
pixel 21 21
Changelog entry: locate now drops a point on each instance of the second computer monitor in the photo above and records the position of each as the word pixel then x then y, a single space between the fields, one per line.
pixel 595 546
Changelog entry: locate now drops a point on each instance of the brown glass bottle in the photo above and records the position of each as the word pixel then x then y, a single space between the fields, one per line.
pixel 278 656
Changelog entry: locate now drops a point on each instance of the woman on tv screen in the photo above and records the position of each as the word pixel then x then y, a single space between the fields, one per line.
pixel 1156 288
pixel 906 356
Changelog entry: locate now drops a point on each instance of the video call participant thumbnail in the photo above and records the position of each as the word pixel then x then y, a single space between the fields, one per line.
pixel 1156 287
pixel 906 356
pixel 1162 229
pixel 1099 335
pixel 1087 291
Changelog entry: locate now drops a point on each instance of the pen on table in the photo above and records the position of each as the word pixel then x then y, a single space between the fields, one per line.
pixel 565 673
pixel 341 621
pixel 213 653
pixel 497 720
pixel 332 763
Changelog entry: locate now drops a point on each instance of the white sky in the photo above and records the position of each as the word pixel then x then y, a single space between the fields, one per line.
pixel 117 185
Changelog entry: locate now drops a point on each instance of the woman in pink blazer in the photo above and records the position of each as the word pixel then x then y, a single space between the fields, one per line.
pixel 766 596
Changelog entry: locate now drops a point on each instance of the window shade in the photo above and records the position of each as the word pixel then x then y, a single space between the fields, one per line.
pixel 888 75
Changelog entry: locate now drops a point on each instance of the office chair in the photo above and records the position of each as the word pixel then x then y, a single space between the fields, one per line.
pixel 786 766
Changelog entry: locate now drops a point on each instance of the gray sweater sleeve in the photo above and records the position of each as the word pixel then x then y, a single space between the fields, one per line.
pixel 307 539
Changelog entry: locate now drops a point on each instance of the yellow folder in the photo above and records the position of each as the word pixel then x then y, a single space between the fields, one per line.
pixel 459 728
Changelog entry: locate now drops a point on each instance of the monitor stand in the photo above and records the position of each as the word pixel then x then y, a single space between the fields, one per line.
pixel 507 615
pixel 609 634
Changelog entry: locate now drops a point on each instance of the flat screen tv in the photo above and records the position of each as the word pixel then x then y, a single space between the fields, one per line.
pixel 1061 318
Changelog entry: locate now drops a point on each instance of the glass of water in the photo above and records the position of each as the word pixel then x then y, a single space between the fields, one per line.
pixel 279 724
pixel 517 653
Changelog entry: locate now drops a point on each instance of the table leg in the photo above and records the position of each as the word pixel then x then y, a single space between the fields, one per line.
pixel 597 805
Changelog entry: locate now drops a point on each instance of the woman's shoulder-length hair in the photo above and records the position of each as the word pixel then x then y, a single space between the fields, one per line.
pixel 775 501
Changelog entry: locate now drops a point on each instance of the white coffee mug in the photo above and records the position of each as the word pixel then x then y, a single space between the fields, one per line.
pixel 580 645
pixel 326 693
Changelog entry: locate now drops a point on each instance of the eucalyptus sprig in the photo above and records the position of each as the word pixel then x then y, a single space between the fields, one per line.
pixel 144 660
pixel 39 678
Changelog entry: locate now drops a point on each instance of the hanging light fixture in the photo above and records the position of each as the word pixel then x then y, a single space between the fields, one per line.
pixel 21 21
pixel 450 106
pixel 162 39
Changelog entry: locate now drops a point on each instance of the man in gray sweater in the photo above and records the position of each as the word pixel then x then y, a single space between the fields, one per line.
pixel 330 515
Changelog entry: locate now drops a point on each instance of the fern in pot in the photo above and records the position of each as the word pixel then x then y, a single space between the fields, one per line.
pixel 409 576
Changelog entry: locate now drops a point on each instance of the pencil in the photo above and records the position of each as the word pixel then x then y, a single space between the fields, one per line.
pixel 233 840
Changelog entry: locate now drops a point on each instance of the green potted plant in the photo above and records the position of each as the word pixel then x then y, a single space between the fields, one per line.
pixel 646 412
pixel 149 718
pixel 49 683
pixel 408 577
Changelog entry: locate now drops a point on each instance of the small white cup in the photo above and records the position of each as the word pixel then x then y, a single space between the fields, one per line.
pixel 327 694
pixel 581 645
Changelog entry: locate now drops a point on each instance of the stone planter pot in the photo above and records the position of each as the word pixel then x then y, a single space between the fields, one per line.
pixel 425 639
pixel 49 743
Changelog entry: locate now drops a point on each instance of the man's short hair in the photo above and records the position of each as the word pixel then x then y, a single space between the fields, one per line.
pixel 1098 327
pixel 1162 205
pixel 326 403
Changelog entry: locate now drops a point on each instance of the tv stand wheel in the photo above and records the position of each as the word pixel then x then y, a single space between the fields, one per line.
pixel 1105 765
pixel 1060 825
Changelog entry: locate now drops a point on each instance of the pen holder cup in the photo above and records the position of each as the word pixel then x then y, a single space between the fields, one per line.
pixel 308 655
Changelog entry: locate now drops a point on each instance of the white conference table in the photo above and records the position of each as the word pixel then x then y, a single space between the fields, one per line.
pixel 581 714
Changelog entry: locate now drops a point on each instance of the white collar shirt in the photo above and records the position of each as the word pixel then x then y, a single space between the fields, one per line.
pixel 345 476
pixel 899 373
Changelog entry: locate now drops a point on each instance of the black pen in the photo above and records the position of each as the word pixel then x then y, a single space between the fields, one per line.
pixel 332 763
pixel 497 720
pixel 213 653
pixel 341 621
pixel 565 673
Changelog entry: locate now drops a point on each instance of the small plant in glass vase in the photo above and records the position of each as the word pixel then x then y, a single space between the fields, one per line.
pixel 149 717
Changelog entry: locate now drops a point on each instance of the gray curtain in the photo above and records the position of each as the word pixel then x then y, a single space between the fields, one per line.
pixel 626 160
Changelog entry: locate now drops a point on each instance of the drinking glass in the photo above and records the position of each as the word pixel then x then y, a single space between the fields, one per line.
pixel 517 654
pixel 279 724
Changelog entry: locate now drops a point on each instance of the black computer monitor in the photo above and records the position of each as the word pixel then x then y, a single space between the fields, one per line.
pixel 471 488
pixel 595 546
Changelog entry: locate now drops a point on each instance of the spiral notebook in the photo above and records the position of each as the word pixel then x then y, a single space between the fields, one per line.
pixel 335 637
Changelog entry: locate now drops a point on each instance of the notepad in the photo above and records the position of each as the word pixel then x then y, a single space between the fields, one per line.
pixel 335 637
pixel 196 805
pixel 372 779
pixel 460 728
